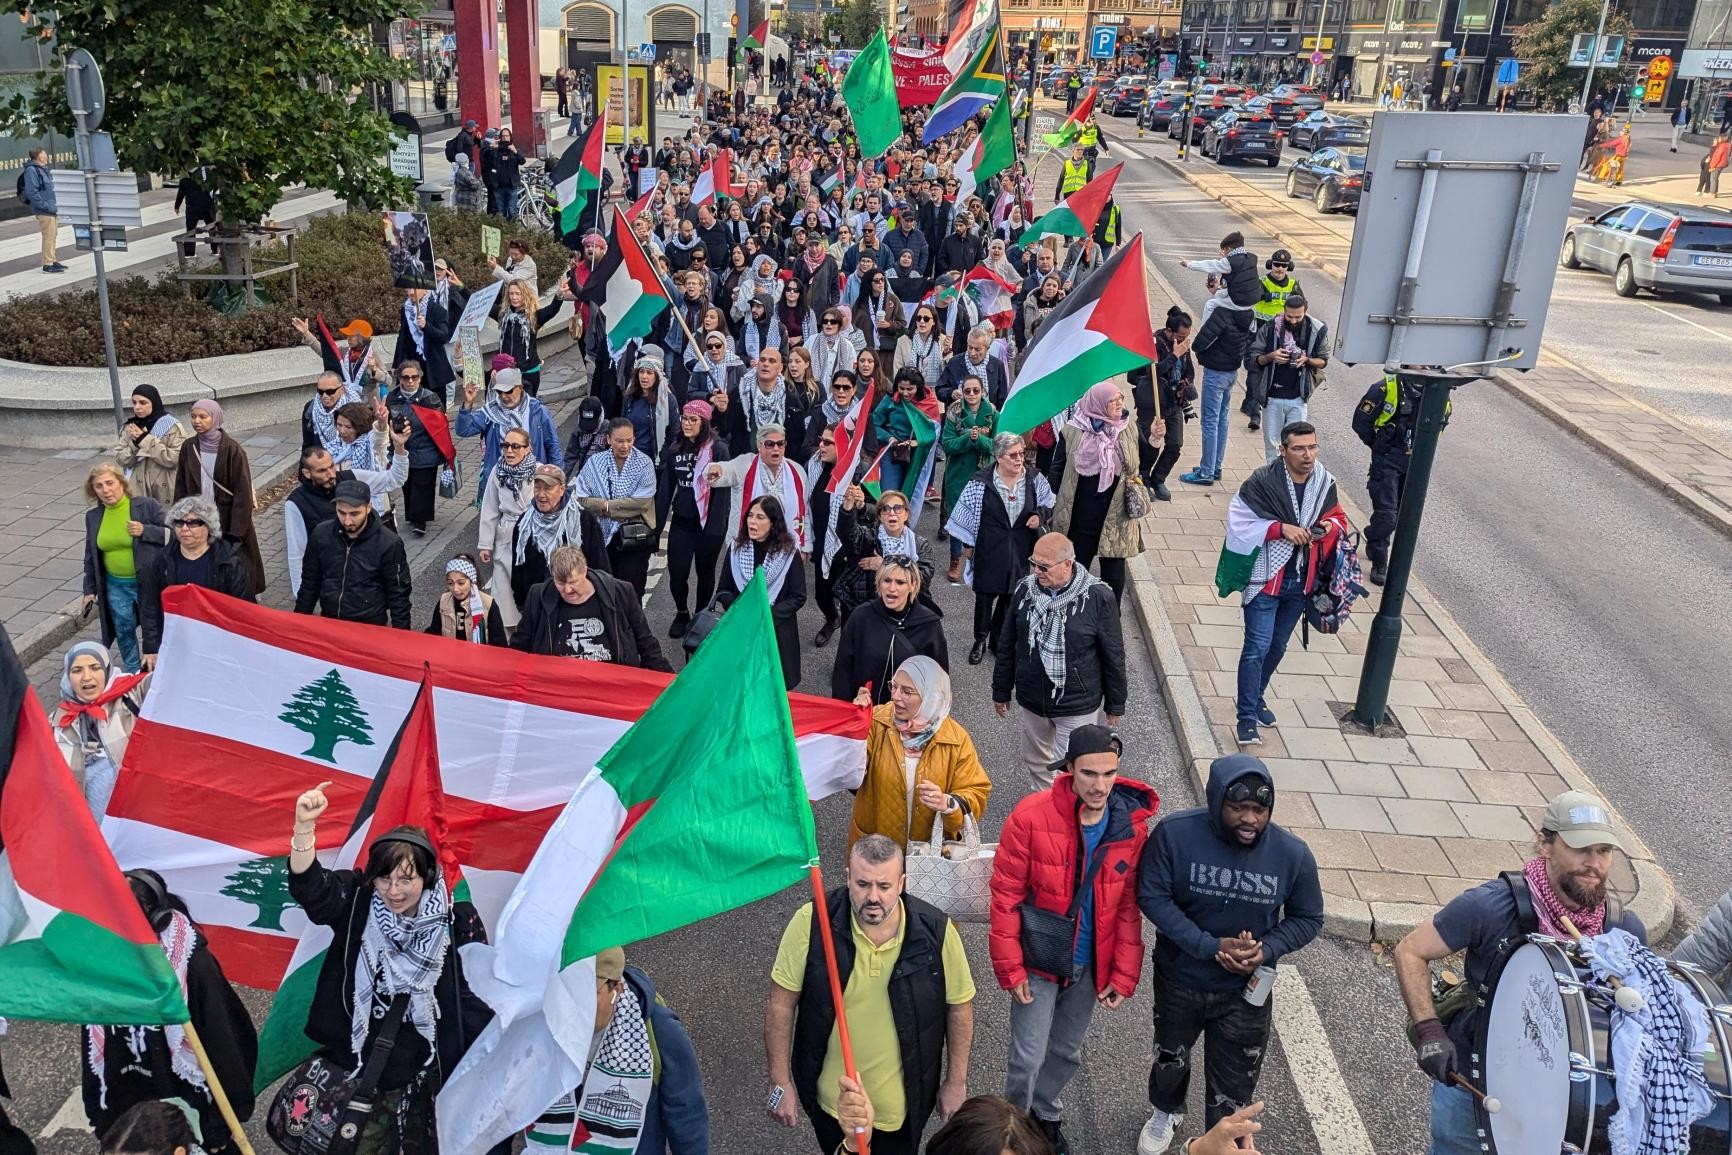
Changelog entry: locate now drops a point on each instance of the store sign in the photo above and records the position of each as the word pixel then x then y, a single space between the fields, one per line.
pixel 1310 42
pixel 1112 18
pixel 1713 63
pixel 1280 43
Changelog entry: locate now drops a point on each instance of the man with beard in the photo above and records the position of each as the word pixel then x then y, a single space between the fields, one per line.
pixel 1566 879
pixel 1230 894
pixel 313 502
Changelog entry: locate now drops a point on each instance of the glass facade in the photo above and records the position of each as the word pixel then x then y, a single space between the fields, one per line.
pixel 21 59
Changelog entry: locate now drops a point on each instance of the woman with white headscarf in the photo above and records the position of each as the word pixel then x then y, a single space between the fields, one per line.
pixel 463 612
pixel 95 718
pixel 920 762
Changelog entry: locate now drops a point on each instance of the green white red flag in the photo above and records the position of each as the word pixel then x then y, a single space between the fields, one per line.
pixel 576 178
pixel 74 945
pixel 1077 214
pixel 626 287
pixel 644 846
pixel 1100 330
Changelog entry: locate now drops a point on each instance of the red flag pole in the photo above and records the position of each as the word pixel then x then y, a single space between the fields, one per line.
pixel 836 988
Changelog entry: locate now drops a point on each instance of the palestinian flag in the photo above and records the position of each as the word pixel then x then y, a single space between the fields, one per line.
pixel 1077 214
pixel 760 36
pixel 717 180
pixel 1100 330
pixel 576 176
pixel 626 287
pixel 1073 124
pixel 993 151
pixel 992 295
pixel 644 846
pixel 638 206
pixel 850 441
pixel 74 945
pixel 251 706
pixel 407 792
pixel 976 85
pixel 831 178
pixel 917 475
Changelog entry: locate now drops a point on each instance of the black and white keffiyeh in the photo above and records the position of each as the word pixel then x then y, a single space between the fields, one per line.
pixel 414 313
pixel 507 418
pixel 926 354
pixel 603 477
pixel 325 420
pixel 402 955
pixel 760 335
pixel 744 560
pixel 903 545
pixel 549 531
pixel 765 408
pixel 1048 611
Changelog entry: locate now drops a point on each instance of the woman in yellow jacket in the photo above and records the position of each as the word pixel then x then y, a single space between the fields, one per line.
pixel 920 762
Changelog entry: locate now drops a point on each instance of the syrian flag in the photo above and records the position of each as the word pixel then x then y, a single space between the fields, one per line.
pixel 576 176
pixel 407 792
pixel 251 706
pixel 970 22
pixel 992 294
pixel 1077 214
pixel 979 82
pixel 643 847
pixel 993 151
pixel 1073 124
pixel 74 945
pixel 626 287
pixel 1100 330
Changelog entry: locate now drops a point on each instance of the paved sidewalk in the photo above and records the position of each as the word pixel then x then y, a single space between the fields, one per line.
pixel 1664 452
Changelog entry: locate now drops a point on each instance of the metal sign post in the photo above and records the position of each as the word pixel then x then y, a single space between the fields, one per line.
pixel 85 94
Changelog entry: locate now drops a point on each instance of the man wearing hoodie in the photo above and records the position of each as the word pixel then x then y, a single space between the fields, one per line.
pixel 1068 852
pixel 1230 893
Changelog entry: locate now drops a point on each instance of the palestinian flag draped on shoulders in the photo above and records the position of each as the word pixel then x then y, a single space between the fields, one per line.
pixel 925 418
pixel 1077 214
pixel 626 287
pixel 576 180
pixel 74 945
pixel 1254 554
pixel 1100 330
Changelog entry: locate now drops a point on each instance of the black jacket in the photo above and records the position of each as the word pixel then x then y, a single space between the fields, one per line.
pixel 361 579
pixel 521 344
pixel 333 898
pixel 875 642
pixel 958 253
pixel 1220 344
pixel 229 575
pixel 436 362
pixel 636 642
pixel 797 412
pixel 784 611
pixel 156 537
pixel 1094 651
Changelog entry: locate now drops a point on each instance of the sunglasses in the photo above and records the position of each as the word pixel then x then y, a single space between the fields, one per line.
pixel 772 443
pixel 1249 790
pixel 1044 567
pixel 329 392
pixel 409 377
pixel 189 523
pixel 828 322
pixel 893 509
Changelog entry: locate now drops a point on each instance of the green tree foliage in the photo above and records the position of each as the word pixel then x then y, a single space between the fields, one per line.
pixel 1544 46
pixel 264 883
pixel 261 93
pixel 857 20
pixel 327 710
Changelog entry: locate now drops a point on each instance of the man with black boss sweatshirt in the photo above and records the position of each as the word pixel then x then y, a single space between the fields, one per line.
pixel 1230 894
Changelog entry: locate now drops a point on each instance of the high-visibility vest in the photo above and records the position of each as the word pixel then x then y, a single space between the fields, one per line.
pixel 1274 298
pixel 1076 174
pixel 1090 136
pixel 1392 403
pixel 1110 234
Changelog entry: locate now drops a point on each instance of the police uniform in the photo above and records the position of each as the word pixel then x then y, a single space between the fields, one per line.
pixel 1385 420
pixel 1073 177
pixel 1275 294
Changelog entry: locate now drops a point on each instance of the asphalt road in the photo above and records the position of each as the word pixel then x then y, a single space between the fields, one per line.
pixel 1600 600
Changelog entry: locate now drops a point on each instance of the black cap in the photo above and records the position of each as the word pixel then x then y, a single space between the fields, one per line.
pixel 1090 739
pixel 1281 257
pixel 352 492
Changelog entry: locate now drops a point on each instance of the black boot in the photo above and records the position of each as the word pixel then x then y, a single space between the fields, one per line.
pixel 682 623
pixel 976 654
pixel 1379 564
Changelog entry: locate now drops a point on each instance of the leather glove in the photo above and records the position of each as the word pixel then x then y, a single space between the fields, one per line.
pixel 1435 1052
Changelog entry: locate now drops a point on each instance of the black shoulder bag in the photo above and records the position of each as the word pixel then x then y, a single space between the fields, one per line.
pixel 321 1109
pixel 1048 939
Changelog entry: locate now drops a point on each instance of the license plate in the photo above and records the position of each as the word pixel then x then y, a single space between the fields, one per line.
pixel 1713 262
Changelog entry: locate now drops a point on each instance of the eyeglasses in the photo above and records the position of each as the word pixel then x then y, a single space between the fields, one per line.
pixel 893 508
pixel 189 523
pixel 772 443
pixel 513 447
pixel 714 346
pixel 1044 567
pixel 408 376
pixel 923 320
pixel 329 392
pixel 1015 455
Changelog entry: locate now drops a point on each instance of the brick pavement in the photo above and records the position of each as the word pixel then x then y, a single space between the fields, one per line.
pixel 1689 468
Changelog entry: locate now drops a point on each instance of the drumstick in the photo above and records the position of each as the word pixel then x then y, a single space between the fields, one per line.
pixel 1491 1102
pixel 1629 1000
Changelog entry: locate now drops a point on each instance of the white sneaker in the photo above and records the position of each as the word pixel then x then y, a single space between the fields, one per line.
pixel 1157 1134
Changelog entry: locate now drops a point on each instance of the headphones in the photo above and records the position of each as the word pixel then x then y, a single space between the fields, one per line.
pixel 1269 265
pixel 412 838
pixel 160 910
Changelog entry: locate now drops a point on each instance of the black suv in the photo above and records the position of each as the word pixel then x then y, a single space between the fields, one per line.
pixel 1242 134
pixel 1201 117
pixel 1158 113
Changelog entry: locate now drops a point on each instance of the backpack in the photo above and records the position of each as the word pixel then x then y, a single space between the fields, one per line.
pixel 1338 587
pixel 21 173
pixel 451 149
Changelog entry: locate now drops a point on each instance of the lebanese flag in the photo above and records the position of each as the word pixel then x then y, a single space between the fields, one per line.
pixel 407 792
pixel 1077 214
pixel 992 293
pixel 251 706
pixel 1101 329
pixel 681 820
pixel 74 945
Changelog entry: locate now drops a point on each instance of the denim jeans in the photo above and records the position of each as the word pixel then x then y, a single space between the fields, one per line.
pixel 1217 388
pixel 123 610
pixel 1269 622
pixel 508 202
pixel 1278 412
pixel 1046 1038
pixel 1454 1127
pixel 1235 1033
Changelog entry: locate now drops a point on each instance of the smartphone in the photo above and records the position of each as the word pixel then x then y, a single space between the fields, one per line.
pixel 88 608
pixel 775 1098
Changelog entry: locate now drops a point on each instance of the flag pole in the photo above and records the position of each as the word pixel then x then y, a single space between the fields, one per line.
pixel 599 194
pixel 835 989
pixel 216 1089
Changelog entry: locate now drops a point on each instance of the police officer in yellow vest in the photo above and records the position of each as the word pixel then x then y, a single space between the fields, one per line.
pixel 1075 173
pixel 1107 230
pixel 1278 285
pixel 1089 136
pixel 1384 420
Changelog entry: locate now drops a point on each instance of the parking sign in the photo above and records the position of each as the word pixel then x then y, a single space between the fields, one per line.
pixel 1103 41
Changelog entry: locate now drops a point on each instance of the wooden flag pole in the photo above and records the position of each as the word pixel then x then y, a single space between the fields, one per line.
pixel 848 1066
pixel 216 1089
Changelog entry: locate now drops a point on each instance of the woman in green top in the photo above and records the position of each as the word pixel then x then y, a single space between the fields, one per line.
pixel 122 533
pixel 968 428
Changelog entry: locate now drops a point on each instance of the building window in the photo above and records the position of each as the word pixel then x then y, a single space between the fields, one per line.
pixel 1660 15
pixel 1473 16
pixel 1367 11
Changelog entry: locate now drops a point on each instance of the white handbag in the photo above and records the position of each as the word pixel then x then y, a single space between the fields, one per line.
pixel 956 877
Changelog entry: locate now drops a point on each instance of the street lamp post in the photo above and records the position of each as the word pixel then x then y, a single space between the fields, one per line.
pixel 1317 46
pixel 1594 54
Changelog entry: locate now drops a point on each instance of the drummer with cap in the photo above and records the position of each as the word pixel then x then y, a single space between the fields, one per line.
pixel 1565 880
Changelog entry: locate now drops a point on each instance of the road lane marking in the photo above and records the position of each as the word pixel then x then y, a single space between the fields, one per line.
pixel 1686 320
pixel 1334 1117
pixel 70 1117
pixel 1121 146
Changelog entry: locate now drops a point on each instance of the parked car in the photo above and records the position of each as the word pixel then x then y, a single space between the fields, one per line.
pixel 1170 86
pixel 1242 134
pixel 1658 247
pixel 1157 112
pixel 1125 99
pixel 1323 128
pixel 1202 116
pixel 1331 177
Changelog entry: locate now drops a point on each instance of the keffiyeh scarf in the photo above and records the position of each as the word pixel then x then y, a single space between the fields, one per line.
pixel 401 955
pixel 178 938
pixel 414 312
pixel 512 477
pixel 505 420
pixel 549 531
pixel 766 408
pixel 904 545
pixel 744 560
pixel 618 1085
pixel 1048 611
pixel 601 477
pixel 928 357
pixel 476 617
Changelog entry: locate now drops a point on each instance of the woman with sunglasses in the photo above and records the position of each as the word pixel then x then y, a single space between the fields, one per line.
pixel 969 425
pixel 506 494
pixel 198 556
pixel 878 314
pixel 765 543
pixel 884 533
pixel 921 348
pixel 831 349
pixel 997 519
pixel 884 633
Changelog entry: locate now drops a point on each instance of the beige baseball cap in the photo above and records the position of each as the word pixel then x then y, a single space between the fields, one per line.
pixel 1581 820
pixel 610 965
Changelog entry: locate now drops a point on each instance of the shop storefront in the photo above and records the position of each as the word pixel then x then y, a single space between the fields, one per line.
pixel 429 47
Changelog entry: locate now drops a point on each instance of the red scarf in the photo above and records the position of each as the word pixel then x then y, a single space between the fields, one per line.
pixel 1552 910
pixel 795 478
pixel 98 709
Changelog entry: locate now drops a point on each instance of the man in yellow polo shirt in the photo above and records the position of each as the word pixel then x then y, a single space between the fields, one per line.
pixel 909 999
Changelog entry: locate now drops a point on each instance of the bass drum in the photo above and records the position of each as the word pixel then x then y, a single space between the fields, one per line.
pixel 1543 1048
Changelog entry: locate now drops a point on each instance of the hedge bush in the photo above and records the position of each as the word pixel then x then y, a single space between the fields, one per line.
pixel 342 274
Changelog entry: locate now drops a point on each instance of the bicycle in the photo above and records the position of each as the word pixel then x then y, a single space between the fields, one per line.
pixel 536 206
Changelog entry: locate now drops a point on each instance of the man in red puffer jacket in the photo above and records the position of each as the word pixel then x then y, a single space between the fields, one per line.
pixel 1070 852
